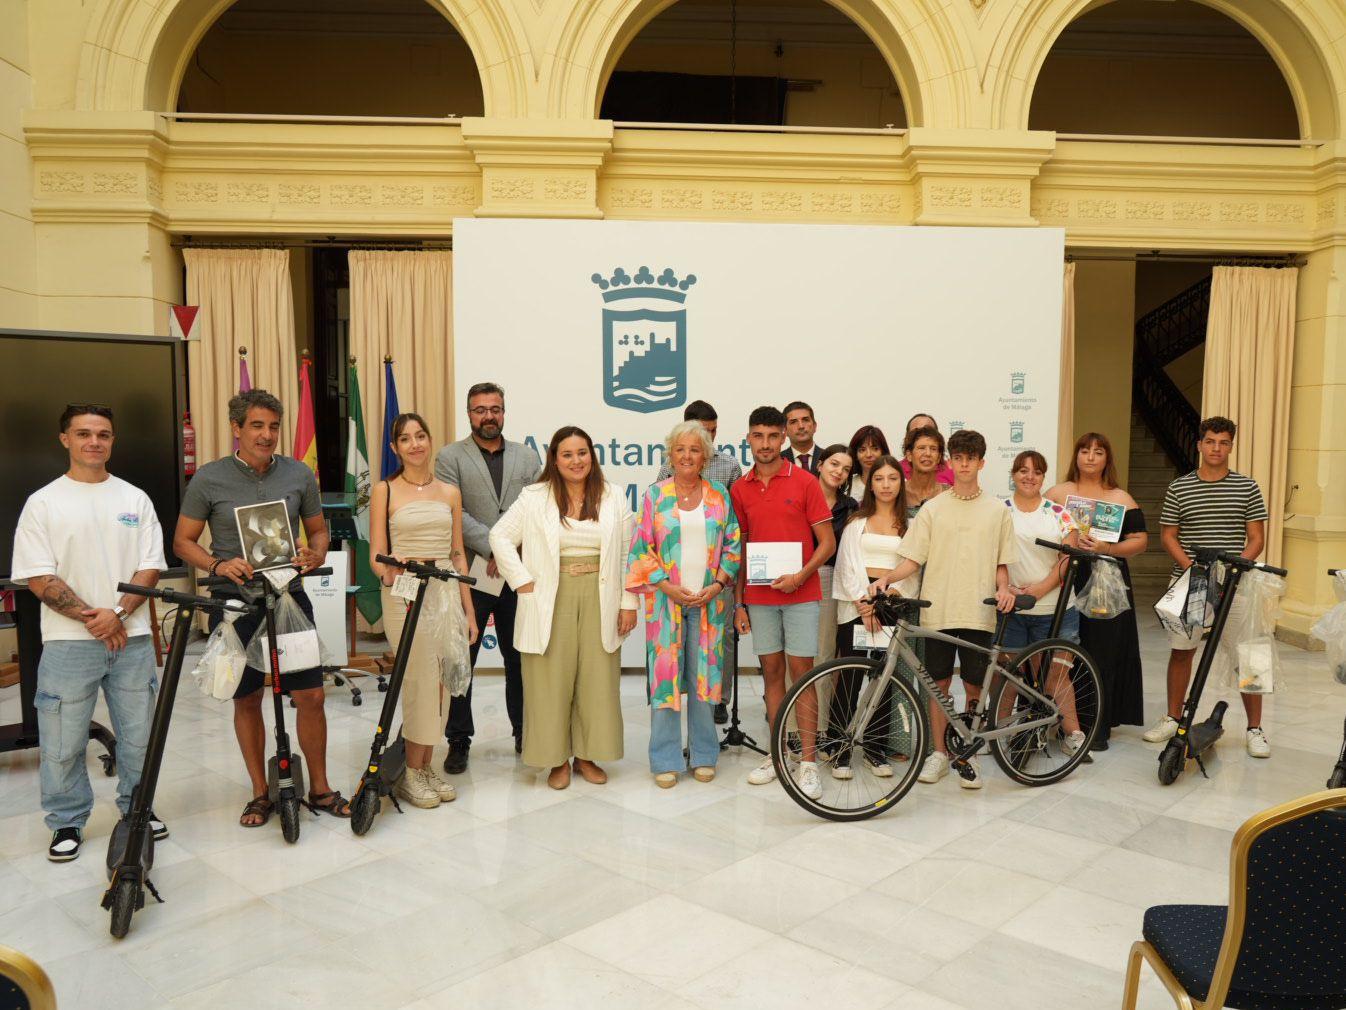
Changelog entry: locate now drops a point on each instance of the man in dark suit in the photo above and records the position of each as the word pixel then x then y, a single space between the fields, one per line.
pixel 799 429
pixel 490 472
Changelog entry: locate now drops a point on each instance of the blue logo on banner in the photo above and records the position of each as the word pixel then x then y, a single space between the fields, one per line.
pixel 644 339
pixel 1016 432
pixel 1017 383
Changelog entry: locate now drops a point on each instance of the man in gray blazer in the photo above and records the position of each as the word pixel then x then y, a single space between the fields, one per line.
pixel 490 472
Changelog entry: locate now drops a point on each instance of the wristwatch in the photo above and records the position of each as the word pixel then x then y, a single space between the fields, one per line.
pixel 740 606
pixel 122 615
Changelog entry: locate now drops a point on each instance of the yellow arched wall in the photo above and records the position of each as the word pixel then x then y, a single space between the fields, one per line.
pixel 135 53
pixel 1303 44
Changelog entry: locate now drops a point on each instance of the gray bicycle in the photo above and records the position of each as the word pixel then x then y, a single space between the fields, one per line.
pixel 1036 705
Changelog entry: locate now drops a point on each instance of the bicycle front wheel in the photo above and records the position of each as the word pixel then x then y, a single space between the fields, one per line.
pixel 860 771
pixel 1042 754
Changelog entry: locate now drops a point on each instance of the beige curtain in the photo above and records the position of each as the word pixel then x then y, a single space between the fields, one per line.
pixel 245 300
pixel 402 305
pixel 1065 412
pixel 1250 350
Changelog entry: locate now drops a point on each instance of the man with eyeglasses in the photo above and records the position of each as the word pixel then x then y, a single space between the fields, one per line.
pixel 77 538
pixel 490 471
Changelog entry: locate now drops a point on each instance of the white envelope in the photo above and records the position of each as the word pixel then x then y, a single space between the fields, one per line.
pixel 768 560
pixel 866 639
pixel 489 586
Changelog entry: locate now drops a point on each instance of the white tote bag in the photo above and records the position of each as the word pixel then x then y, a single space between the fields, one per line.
pixel 1172 606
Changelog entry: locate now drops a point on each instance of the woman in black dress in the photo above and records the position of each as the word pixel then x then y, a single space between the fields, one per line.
pixel 1114 644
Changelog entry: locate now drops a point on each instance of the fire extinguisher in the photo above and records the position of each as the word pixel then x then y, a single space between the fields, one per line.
pixel 188 445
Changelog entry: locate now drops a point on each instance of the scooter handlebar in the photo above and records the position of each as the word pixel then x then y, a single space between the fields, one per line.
pixel 421 569
pixel 1207 555
pixel 1334 572
pixel 181 599
pixel 210 581
pixel 1076 552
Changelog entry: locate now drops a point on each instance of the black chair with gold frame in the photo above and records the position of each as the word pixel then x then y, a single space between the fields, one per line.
pixel 23 984
pixel 1278 944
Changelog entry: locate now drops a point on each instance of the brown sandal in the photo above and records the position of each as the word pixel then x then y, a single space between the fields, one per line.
pixel 560 776
pixel 258 806
pixel 330 803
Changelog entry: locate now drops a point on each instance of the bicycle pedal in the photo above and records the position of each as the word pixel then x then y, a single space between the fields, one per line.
pixel 964 770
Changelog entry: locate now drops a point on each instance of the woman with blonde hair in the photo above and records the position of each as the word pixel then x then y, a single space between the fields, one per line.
pixel 684 554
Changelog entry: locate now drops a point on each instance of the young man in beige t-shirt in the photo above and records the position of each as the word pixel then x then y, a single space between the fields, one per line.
pixel 965 539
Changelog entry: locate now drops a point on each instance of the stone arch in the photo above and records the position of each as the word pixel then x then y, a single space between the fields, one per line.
pixel 916 40
pixel 135 53
pixel 1297 39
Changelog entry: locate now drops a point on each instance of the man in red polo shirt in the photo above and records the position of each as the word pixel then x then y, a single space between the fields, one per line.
pixel 779 503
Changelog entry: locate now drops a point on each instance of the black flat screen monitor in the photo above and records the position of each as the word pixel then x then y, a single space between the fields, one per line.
pixel 140 378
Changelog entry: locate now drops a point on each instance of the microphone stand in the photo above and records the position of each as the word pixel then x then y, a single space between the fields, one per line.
pixel 733 734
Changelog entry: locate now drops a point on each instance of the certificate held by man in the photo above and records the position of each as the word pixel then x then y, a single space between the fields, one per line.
pixel 769 560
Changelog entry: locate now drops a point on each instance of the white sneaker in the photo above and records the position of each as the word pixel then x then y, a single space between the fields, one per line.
pixel 1162 731
pixel 842 773
pixel 809 783
pixel 935 768
pixel 447 793
pixel 975 781
pixel 879 769
pixel 762 774
pixel 416 789
pixel 1257 743
pixel 1072 742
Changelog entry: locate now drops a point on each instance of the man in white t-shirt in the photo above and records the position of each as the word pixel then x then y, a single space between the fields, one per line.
pixel 77 538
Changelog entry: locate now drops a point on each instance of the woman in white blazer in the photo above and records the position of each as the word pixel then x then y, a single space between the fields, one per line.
pixel 872 536
pixel 573 530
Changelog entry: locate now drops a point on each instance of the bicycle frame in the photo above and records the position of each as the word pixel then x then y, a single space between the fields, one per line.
pixel 899 650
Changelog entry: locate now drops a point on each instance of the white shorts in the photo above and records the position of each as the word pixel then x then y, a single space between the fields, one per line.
pixel 1181 642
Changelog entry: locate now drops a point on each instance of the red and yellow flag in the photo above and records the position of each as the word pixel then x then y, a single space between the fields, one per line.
pixel 305 436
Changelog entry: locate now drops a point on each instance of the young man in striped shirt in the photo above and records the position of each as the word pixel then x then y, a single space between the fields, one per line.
pixel 1210 507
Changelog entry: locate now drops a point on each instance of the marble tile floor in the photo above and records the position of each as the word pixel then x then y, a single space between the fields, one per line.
pixel 712 896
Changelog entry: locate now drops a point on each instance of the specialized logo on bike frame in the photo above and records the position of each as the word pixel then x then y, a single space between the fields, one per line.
pixel 644 339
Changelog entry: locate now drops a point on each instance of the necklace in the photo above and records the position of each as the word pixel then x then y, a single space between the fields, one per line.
pixel 418 487
pixel 965 497
pixel 689 498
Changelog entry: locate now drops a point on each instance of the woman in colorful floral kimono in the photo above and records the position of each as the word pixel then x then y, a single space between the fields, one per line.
pixel 684 554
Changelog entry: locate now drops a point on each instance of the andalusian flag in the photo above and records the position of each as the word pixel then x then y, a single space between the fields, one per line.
pixel 305 442
pixel 368 599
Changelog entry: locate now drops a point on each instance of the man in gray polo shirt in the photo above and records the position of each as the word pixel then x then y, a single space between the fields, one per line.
pixel 255 473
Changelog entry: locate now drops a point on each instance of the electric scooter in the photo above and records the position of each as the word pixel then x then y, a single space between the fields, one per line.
pixel 284 770
pixel 1338 777
pixel 130 853
pixel 1194 739
pixel 386 766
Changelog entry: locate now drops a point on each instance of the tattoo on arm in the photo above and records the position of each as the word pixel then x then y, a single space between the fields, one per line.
pixel 62 599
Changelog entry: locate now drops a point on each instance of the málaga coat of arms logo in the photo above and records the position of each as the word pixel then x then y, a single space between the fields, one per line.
pixel 644 339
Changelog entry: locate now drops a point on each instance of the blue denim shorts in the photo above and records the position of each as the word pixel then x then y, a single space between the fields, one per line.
pixel 1022 630
pixel 792 629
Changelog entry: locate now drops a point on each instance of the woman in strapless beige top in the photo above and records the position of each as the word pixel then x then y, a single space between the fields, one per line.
pixel 423 516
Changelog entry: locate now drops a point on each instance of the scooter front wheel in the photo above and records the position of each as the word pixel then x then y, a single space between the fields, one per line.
pixel 1171 763
pixel 365 807
pixel 289 819
pixel 124 901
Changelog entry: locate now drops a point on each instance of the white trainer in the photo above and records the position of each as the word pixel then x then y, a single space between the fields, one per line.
pixel 809 783
pixel 762 774
pixel 416 789
pixel 1072 742
pixel 447 793
pixel 1257 743
pixel 842 773
pixel 935 768
pixel 974 782
pixel 1162 731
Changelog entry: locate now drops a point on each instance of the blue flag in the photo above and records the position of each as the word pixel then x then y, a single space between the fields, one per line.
pixel 390 412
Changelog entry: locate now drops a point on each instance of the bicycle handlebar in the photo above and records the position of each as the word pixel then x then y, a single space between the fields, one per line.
pixel 1076 552
pixel 423 571
pixel 1206 555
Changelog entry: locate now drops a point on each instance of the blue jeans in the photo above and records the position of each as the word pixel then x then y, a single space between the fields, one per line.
pixel 68 678
pixel 666 723
pixel 1022 630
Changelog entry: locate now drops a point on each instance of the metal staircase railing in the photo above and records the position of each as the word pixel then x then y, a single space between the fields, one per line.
pixel 1161 337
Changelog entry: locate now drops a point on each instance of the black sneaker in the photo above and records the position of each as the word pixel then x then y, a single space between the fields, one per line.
pixel 456 762
pixel 65 843
pixel 158 827
pixel 721 714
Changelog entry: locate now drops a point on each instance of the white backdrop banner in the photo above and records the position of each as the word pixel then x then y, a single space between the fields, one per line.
pixel 616 325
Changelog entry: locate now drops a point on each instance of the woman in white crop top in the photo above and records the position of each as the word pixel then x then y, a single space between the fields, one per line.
pixel 869 542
